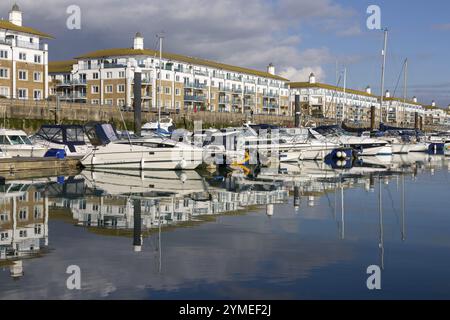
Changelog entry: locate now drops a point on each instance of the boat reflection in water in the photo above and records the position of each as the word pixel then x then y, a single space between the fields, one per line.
pixel 140 207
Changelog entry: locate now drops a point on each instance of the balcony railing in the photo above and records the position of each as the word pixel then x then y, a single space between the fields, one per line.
pixel 114 65
pixel 270 106
pixel 234 78
pixel 270 95
pixel 237 90
pixel 201 73
pixel 195 85
pixel 22 44
pixel 72 83
pixel 194 98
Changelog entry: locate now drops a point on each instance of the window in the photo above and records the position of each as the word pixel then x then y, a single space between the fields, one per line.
pixel 167 90
pixel 22 56
pixel 95 101
pixel 4 73
pixel 109 89
pixel 177 78
pixel 23 233
pixel 37 58
pixel 23 75
pixel 3 54
pixel 109 75
pixel 4 91
pixel 121 88
pixel 37 229
pixel 95 75
pixel 95 89
pixel 4 217
pixel 177 92
pixel 95 207
pixel 23 214
pixel 167 76
pixel 37 212
pixel 37 76
pixel 121 74
pixel 109 102
pixel 37 94
pixel 121 102
pixel 4 236
pixel 177 104
pixel 22 93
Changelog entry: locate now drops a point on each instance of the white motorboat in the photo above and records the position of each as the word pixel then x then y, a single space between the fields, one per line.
pixel 15 143
pixel 163 127
pixel 153 153
pixel 366 145
pixel 126 182
pixel 70 138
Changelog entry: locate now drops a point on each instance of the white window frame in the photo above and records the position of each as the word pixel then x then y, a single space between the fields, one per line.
pixel 95 89
pixel 107 88
pixel 119 86
pixel 25 72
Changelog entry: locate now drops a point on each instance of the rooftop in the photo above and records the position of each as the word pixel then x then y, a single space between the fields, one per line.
pixel 299 85
pixel 61 66
pixel 6 25
pixel 120 52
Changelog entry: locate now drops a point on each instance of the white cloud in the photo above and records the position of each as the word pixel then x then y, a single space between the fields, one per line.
pixel 302 75
pixel 250 33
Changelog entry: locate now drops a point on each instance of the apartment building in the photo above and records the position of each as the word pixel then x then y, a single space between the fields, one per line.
pixel 437 116
pixel 338 103
pixel 177 82
pixel 23 59
pixel 333 102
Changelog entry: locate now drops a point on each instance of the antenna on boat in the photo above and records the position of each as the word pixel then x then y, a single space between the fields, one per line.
pixel 383 69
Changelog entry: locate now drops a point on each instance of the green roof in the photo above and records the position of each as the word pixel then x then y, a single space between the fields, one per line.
pixel 299 85
pixel 61 66
pixel 402 100
pixel 12 27
pixel 108 53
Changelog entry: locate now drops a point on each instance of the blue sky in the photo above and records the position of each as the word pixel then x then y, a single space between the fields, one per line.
pixel 298 36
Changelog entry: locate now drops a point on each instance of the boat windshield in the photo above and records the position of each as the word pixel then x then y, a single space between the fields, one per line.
pixel 330 131
pixel 16 140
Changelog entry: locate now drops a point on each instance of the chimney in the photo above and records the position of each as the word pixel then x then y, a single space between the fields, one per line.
pixel 388 94
pixel 414 99
pixel 138 42
pixel 312 78
pixel 271 69
pixel 369 90
pixel 15 15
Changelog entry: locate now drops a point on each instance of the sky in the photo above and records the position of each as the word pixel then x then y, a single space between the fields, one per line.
pixel 298 36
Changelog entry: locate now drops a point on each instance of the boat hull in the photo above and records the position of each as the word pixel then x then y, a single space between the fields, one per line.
pixel 157 159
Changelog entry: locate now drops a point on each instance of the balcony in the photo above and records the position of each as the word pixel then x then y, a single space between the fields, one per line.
pixel 263 82
pixel 237 102
pixel 270 95
pixel 249 92
pixel 270 106
pixel 22 44
pixel 194 98
pixel 201 73
pixel 195 85
pixel 224 101
pixel 234 78
pixel 114 65
pixel 249 102
pixel 237 91
pixel 224 89
pixel 72 83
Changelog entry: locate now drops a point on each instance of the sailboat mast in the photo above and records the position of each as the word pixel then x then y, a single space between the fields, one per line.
pixel 405 88
pixel 383 68
pixel 160 78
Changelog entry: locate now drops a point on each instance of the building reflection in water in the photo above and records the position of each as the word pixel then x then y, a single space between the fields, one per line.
pixel 24 215
pixel 136 205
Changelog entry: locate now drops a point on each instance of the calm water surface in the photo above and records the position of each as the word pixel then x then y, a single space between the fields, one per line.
pixel 296 232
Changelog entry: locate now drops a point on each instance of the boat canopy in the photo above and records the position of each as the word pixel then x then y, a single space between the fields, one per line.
pixel 101 134
pixel 62 134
